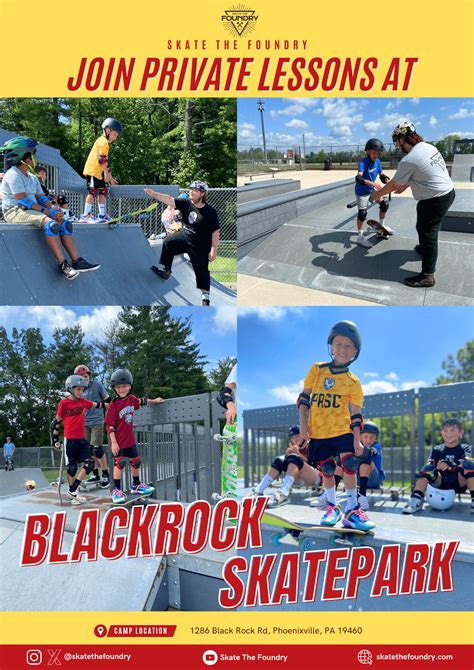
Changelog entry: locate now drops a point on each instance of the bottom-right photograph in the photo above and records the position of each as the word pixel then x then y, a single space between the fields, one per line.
pixel 356 427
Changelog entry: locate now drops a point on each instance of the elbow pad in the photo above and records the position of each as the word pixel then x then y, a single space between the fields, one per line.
pixel 143 402
pixel 303 399
pixel 384 179
pixel 225 396
pixel 26 203
pixel 102 159
pixel 357 421
pixel 42 200
pixel 360 180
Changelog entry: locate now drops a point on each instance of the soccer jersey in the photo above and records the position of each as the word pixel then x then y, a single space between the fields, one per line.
pixel 331 396
pixel 120 416
pixel 73 412
pixel 92 167
pixel 452 455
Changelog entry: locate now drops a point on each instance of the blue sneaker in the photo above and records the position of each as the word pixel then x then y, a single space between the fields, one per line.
pixel 358 519
pixel 104 218
pixel 118 497
pixel 331 516
pixel 142 490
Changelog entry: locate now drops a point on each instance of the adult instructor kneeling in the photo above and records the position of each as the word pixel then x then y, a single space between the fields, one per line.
pixel 424 170
pixel 199 236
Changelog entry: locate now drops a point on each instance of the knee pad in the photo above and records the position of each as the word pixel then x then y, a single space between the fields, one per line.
pixel 51 228
pixel 66 227
pixel 72 468
pixel 89 465
pixel 92 191
pixel 328 467
pixel 98 452
pixel 278 464
pixel 296 460
pixel 362 214
pixel 467 468
pixel 102 190
pixel 350 464
pixel 120 462
pixel 135 462
pixel 384 205
pixel 367 456
pixel 429 472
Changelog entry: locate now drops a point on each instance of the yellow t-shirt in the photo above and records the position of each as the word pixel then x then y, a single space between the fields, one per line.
pixel 331 394
pixel 92 166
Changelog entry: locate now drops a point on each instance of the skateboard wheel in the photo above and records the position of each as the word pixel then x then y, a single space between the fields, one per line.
pixel 332 540
pixel 275 538
pixel 306 544
pixel 394 496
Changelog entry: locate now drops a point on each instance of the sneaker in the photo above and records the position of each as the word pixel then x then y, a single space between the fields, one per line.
pixel 87 218
pixel 68 271
pixel 363 502
pixel 420 281
pixel 321 501
pixel 103 218
pixel 331 516
pixel 253 494
pixel 142 490
pixel 357 519
pixel 76 499
pixel 104 483
pixel 413 505
pixel 205 302
pixel 161 271
pixel 363 242
pixel 279 498
pixel 418 250
pixel 118 497
pixel 81 265
pixel 93 478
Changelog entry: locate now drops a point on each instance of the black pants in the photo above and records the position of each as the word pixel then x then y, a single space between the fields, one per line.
pixel 178 243
pixel 430 214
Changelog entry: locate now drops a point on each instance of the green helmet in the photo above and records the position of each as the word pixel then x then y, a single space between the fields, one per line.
pixel 16 149
pixel 75 380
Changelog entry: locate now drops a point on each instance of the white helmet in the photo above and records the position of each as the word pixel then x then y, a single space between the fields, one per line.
pixel 402 130
pixel 440 498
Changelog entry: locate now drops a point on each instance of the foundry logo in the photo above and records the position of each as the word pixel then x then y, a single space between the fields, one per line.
pixel 239 20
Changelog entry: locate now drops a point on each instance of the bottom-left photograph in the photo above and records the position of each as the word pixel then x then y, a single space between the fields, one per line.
pixel 105 409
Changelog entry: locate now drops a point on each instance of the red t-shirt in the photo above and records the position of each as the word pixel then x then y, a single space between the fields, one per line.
pixel 72 412
pixel 120 416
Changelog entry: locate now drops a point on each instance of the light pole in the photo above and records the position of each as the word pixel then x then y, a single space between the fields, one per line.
pixel 261 109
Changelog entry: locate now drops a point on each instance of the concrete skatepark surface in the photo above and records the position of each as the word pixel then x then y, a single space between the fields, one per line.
pixel 29 274
pixel 318 250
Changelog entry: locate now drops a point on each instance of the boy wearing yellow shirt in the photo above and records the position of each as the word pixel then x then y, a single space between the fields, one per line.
pixel 97 172
pixel 330 409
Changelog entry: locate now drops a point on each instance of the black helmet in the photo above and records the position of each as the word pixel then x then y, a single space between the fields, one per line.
pixel 370 427
pixel 121 376
pixel 374 143
pixel 113 124
pixel 346 329
pixel 294 430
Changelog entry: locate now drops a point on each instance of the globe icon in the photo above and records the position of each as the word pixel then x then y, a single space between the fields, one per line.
pixel 365 657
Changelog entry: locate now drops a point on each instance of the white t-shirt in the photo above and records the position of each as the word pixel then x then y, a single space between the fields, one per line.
pixel 425 171
pixel 232 378
pixel 14 182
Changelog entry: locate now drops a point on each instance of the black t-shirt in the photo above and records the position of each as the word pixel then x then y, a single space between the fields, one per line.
pixel 198 222
pixel 452 455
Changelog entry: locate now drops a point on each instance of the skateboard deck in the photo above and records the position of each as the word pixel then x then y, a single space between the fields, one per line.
pixel 228 439
pixel 379 229
pixel 131 499
pixel 61 472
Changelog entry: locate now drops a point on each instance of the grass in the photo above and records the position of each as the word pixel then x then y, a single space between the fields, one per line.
pixel 224 268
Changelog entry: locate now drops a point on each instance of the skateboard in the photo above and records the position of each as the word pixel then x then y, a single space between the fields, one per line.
pixel 61 471
pixel 228 439
pixel 131 499
pixel 379 229
pixel 339 534
pixel 396 492
pixel 90 486
pixel 113 223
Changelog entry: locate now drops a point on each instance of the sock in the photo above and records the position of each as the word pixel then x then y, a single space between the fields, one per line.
pixel 105 473
pixel 266 481
pixel 205 295
pixel 136 480
pixel 95 472
pixel 287 484
pixel 337 479
pixel 360 233
pixel 351 499
pixel 102 210
pixel 75 485
pixel 87 208
pixel 417 494
pixel 117 484
pixel 363 486
pixel 331 495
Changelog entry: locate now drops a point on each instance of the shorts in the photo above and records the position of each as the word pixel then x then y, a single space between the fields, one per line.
pixel 19 215
pixel 322 449
pixel 449 480
pixel 77 450
pixel 95 182
pixel 363 200
pixel 94 434
pixel 128 452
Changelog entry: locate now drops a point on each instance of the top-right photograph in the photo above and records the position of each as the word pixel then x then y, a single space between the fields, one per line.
pixel 355 201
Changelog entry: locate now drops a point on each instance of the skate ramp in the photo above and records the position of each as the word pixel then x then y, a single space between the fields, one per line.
pixel 463 168
pixel 29 274
pixel 13 482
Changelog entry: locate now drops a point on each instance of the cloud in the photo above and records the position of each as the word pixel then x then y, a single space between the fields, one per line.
pixel 433 121
pixel 341 116
pixel 287 394
pixel 225 320
pixel 296 107
pixel 371 374
pixel 462 113
pixel 49 318
pixel 392 376
pixel 92 324
pixel 269 313
pixel 378 386
pixel 414 101
pixel 394 104
pixel 297 123
pixel 419 383
pixel 386 123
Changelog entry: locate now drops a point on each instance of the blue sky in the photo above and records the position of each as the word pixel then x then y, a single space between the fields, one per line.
pixel 214 328
pixel 402 347
pixel 342 121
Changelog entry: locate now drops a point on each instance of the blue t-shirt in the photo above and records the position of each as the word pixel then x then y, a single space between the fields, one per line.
pixel 8 446
pixel 370 170
pixel 377 460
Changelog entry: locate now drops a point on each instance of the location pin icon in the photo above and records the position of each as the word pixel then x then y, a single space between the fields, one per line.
pixel 100 631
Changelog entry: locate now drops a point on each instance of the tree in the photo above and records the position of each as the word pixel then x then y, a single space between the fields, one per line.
pixel 459 369
pixel 217 377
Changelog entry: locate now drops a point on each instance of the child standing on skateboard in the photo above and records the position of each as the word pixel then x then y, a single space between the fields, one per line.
pixel 368 170
pixel 330 409
pixel 97 172
pixel 294 463
pixel 449 467
pixel 119 426
pixel 71 412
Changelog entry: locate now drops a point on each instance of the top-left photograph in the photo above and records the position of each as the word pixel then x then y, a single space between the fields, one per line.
pixel 118 201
